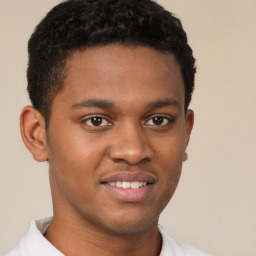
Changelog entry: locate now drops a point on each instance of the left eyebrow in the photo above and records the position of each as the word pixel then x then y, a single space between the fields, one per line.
pixel 94 103
pixel 163 103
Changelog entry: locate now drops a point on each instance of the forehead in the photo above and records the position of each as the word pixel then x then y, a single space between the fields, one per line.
pixel 122 73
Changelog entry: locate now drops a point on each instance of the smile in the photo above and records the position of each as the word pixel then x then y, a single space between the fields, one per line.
pixel 128 184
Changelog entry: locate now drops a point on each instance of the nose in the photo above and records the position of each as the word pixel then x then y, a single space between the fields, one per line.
pixel 130 145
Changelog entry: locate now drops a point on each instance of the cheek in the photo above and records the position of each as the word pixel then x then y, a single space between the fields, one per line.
pixel 71 159
pixel 170 158
pixel 75 147
pixel 170 150
pixel 72 171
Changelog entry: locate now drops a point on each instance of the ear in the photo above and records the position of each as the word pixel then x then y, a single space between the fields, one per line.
pixel 189 125
pixel 32 127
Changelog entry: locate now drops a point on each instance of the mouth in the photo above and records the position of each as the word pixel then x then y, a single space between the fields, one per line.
pixel 129 187
pixel 127 184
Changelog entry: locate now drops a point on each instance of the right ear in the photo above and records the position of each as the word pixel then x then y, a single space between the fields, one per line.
pixel 32 127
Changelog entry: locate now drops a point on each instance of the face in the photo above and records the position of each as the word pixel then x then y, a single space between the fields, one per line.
pixel 117 137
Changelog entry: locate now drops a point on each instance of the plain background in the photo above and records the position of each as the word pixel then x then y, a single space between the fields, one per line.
pixel 214 207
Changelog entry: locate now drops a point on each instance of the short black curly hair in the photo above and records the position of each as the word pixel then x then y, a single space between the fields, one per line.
pixel 78 24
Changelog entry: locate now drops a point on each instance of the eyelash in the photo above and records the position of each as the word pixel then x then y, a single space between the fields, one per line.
pixel 167 121
pixel 97 117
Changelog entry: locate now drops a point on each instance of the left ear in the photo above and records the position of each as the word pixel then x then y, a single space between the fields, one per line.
pixel 189 122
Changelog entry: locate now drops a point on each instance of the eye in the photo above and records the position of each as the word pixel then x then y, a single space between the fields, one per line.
pixel 159 121
pixel 96 121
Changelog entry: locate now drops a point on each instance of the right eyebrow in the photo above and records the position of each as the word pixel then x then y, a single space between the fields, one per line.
pixel 96 103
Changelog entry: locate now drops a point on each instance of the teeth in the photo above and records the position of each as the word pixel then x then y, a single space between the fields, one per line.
pixel 135 184
pixel 118 184
pixel 127 184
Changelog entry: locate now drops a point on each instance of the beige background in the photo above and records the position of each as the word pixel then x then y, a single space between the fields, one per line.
pixel 214 207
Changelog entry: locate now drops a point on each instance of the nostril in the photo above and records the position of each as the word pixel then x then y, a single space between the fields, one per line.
pixel 131 148
pixel 131 162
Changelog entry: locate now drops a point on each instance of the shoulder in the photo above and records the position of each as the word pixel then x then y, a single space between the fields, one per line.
pixel 173 247
pixel 34 242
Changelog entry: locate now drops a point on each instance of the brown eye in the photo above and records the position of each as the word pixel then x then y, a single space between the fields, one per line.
pixel 96 121
pixel 159 121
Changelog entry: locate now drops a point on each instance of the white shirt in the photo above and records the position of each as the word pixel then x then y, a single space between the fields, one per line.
pixel 35 244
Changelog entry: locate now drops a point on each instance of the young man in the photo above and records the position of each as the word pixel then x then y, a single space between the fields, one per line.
pixel 110 82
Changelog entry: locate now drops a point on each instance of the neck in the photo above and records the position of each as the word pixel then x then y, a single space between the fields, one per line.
pixel 76 238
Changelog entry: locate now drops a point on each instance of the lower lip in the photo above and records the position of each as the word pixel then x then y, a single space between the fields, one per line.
pixel 128 194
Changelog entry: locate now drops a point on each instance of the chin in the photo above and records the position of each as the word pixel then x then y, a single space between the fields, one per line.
pixel 131 225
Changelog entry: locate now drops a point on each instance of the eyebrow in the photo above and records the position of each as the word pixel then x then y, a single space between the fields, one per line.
pixel 163 103
pixel 98 103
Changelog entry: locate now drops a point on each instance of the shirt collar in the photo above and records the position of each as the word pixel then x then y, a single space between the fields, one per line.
pixel 34 243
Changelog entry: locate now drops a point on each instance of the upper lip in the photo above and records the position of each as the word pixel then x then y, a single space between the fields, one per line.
pixel 130 176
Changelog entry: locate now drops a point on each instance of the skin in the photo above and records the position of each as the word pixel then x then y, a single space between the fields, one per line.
pixel 126 88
